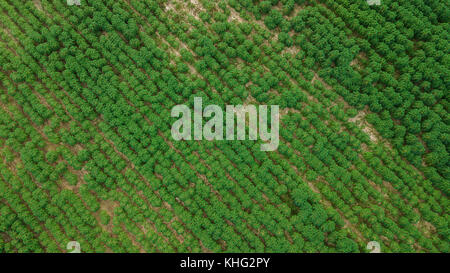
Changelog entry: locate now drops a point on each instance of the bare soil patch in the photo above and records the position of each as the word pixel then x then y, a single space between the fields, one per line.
pixel 38 4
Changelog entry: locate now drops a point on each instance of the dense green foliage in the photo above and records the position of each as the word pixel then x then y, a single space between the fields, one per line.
pixel 87 154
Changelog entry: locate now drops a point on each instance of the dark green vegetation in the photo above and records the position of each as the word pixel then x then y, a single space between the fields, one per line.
pixel 87 155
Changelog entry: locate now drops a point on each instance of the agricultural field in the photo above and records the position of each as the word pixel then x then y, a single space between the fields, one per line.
pixel 88 158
